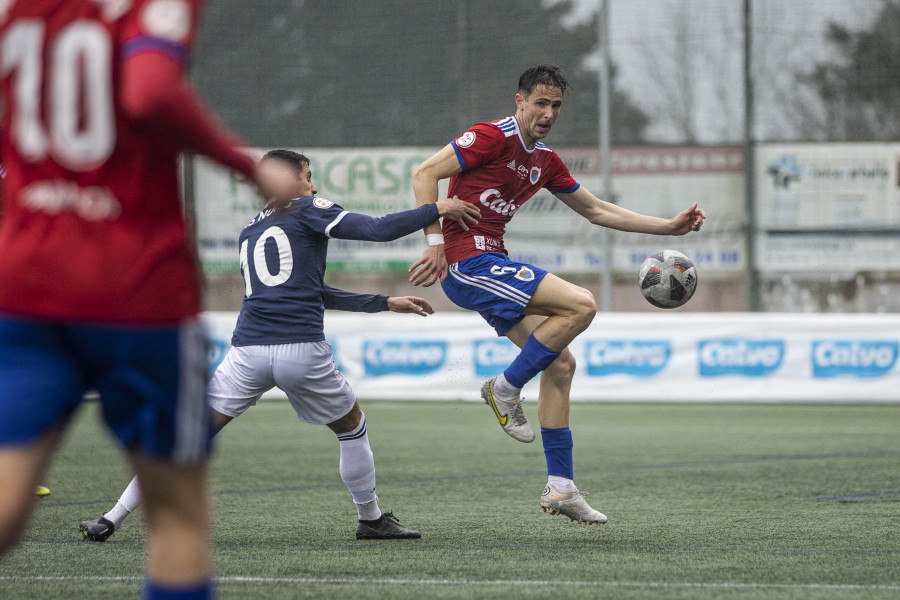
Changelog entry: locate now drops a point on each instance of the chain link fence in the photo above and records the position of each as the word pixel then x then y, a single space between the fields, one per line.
pixel 366 87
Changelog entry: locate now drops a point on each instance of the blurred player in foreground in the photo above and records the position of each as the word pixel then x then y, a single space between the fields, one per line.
pixel 100 288
pixel 40 491
pixel 499 166
pixel 279 339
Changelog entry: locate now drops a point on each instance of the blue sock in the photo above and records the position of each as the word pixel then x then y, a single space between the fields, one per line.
pixel 200 591
pixel 534 358
pixel 558 451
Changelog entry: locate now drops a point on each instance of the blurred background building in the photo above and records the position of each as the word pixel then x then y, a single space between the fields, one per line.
pixel 371 88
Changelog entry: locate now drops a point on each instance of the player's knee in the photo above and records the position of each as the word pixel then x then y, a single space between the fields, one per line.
pixel 585 307
pixel 171 512
pixel 563 368
pixel 348 422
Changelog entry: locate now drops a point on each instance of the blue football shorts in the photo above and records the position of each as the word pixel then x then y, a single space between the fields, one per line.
pixel 494 286
pixel 151 381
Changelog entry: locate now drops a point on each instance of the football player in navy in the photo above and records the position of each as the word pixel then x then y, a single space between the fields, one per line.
pixel 279 339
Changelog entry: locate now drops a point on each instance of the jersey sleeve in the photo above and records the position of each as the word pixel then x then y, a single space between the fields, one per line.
pixel 336 299
pixel 560 181
pixel 165 26
pixel 354 226
pixel 478 145
pixel 321 215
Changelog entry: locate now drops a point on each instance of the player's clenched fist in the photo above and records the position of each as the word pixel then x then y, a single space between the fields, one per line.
pixel 460 211
pixel 690 219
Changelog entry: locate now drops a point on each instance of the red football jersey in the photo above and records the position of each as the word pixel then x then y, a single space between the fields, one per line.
pixel 92 226
pixel 499 174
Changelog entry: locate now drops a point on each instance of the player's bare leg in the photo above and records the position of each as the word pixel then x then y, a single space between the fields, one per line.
pixel 21 469
pixel 358 474
pixel 555 381
pixel 100 530
pixel 560 495
pixel 567 310
pixel 176 507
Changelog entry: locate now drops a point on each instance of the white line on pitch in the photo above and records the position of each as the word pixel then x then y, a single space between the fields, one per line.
pixel 475 582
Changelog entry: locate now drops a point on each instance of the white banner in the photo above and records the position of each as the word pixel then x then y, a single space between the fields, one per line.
pixel 545 232
pixel 683 357
pixel 828 209
pixel 827 186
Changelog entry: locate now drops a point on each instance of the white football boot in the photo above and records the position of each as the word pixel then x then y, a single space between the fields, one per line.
pixel 509 414
pixel 570 504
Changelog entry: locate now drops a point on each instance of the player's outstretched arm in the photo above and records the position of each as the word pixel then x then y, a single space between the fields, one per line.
pixel 613 216
pixel 156 97
pixel 338 299
pixel 354 226
pixel 433 265
pixel 410 304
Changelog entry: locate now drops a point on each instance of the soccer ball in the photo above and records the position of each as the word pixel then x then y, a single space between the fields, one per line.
pixel 668 279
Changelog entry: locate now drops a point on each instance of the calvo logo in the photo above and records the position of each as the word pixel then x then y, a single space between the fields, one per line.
pixel 403 357
pixel 856 358
pixel 493 356
pixel 216 348
pixel 746 357
pixel 640 358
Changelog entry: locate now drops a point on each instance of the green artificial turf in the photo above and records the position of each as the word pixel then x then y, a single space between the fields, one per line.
pixel 704 501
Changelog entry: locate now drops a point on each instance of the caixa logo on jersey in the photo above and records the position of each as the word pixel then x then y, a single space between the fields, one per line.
pixel 493 356
pixel 395 357
pixel 748 358
pixel 856 358
pixel 640 358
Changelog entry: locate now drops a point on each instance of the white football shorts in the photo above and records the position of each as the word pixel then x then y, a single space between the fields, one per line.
pixel 304 371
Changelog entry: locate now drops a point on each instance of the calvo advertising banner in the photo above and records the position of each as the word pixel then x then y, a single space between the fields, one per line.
pixel 678 357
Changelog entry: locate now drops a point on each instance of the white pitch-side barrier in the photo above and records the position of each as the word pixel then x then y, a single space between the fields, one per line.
pixel 683 357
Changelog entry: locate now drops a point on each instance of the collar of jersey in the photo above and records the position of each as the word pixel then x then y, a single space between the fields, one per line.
pixel 270 203
pixel 519 133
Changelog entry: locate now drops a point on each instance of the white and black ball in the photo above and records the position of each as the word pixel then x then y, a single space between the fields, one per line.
pixel 668 279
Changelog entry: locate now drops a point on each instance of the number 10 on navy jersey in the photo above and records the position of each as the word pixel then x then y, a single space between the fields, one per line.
pixel 282 254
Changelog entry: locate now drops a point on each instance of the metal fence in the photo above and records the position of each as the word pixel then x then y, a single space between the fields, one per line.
pixel 383 78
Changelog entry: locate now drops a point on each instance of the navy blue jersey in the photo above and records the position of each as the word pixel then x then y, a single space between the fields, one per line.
pixel 283 253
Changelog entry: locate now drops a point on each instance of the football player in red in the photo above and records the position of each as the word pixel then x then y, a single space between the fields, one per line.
pixel 499 166
pixel 40 491
pixel 100 288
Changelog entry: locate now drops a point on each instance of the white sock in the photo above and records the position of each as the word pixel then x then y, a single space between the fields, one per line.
pixel 358 470
pixel 131 497
pixel 562 484
pixel 128 501
pixel 504 389
pixel 368 511
pixel 117 515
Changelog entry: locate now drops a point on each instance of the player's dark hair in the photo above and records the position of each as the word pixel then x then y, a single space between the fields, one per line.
pixel 294 159
pixel 549 75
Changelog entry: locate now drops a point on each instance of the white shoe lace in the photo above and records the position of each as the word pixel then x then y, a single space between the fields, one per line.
pixel 517 414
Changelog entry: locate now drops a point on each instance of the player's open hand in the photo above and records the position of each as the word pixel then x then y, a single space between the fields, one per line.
pixel 430 268
pixel 410 304
pixel 690 219
pixel 464 213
